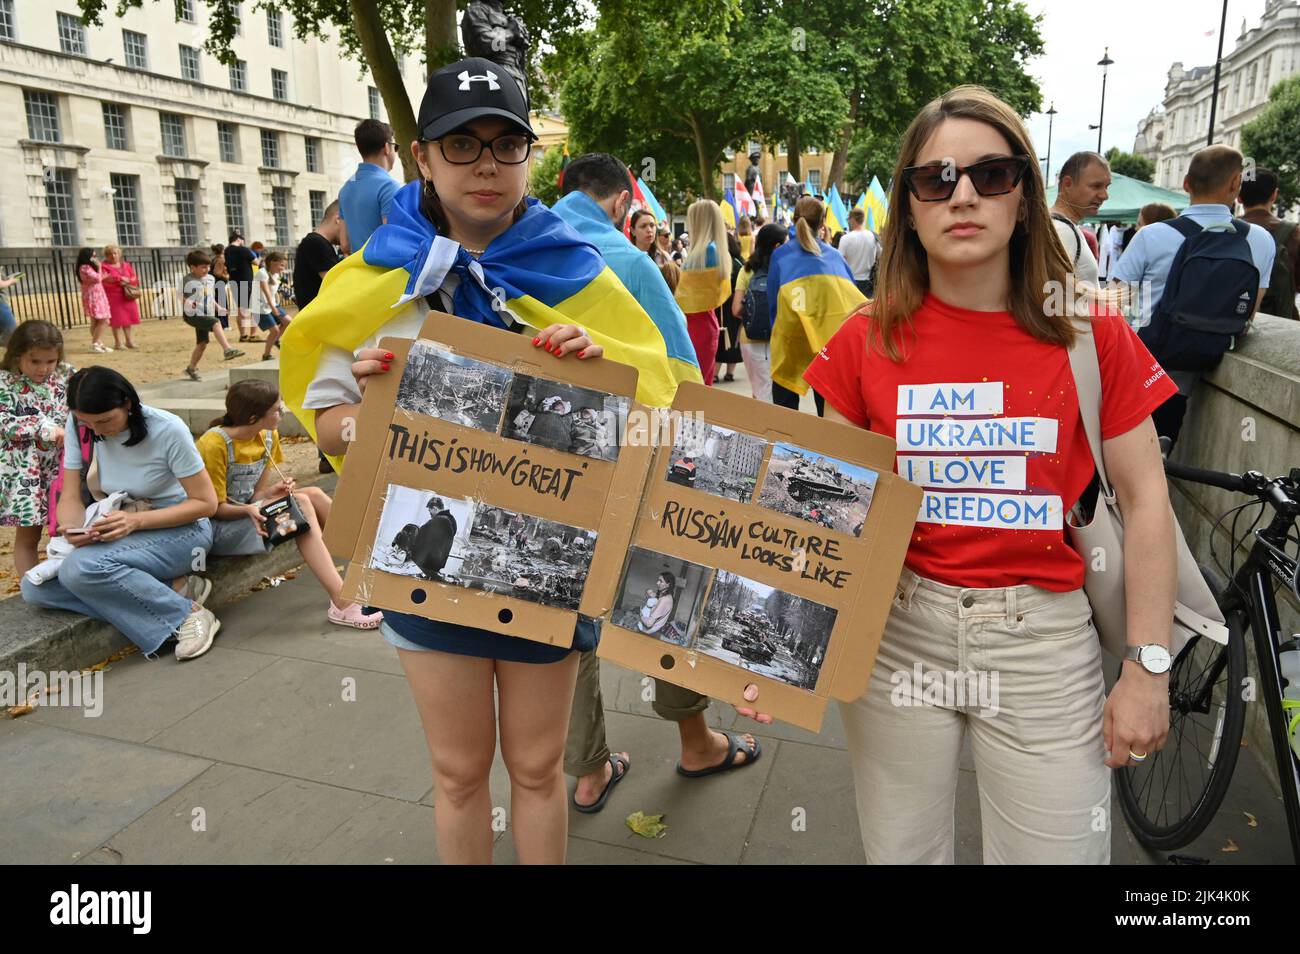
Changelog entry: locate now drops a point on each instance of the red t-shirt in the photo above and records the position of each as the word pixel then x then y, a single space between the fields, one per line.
pixel 986 419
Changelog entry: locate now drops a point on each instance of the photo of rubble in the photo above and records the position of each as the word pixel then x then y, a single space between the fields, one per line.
pixel 660 596
pixel 421 534
pixel 565 417
pixel 822 490
pixel 526 557
pixel 716 460
pixel 765 630
pixel 440 383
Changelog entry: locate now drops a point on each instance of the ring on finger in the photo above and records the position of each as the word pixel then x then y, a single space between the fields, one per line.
pixel 1137 756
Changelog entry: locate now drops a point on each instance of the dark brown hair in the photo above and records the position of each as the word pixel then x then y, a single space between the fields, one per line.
pixel 27 336
pixel 809 214
pixel 1038 259
pixel 371 136
pixel 1154 212
pixel 247 401
pixel 431 206
pixel 276 256
pixel 1212 168
pixel 197 257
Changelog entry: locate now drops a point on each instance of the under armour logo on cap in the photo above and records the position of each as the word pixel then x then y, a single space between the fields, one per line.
pixel 489 77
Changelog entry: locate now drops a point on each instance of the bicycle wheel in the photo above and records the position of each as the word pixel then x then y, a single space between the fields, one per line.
pixel 1169 799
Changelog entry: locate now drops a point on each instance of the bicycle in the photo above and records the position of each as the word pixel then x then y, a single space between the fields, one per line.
pixel 1171 798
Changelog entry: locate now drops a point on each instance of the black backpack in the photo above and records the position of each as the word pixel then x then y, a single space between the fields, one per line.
pixel 1279 299
pixel 757 318
pixel 1208 299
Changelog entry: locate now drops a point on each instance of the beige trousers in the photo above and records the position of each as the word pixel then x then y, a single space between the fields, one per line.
pixel 1019 669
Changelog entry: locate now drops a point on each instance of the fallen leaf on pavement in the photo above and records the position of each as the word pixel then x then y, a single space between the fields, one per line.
pixel 1251 820
pixel 16 711
pixel 647 826
pixel 1231 846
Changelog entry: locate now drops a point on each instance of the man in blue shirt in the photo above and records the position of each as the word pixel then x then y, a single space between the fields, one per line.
pixel 366 197
pixel 597 196
pixel 1213 181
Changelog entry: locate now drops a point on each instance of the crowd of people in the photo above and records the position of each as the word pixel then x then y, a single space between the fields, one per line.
pixel 955 289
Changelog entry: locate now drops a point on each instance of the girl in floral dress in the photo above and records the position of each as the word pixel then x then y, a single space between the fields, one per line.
pixel 33 409
pixel 93 298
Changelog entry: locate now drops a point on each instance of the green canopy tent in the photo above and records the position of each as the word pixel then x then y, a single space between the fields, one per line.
pixel 1126 197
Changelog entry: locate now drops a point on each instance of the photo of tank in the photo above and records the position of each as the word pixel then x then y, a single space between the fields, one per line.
pixel 439 383
pixel 823 490
pixel 765 630
pixel 715 459
pixel 565 417
pixel 525 557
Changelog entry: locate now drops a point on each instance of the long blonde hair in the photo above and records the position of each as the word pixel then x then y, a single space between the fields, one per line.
pixel 809 214
pixel 704 222
pixel 1038 259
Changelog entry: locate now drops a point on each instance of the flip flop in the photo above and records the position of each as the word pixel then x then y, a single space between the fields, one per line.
pixel 729 763
pixel 616 761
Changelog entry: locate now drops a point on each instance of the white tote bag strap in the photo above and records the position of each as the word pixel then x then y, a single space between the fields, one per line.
pixel 1087 384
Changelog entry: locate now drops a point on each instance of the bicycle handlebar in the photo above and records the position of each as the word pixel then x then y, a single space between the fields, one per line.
pixel 1214 478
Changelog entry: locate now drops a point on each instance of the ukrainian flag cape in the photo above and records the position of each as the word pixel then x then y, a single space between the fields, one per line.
pixel 702 289
pixel 810 296
pixel 539 271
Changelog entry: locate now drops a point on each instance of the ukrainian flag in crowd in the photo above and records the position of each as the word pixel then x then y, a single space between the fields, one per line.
pixel 728 206
pixel 652 203
pixel 702 289
pixel 540 271
pixel 809 297
pixel 837 216
pixel 877 202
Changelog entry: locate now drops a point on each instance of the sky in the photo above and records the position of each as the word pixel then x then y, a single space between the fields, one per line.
pixel 1145 38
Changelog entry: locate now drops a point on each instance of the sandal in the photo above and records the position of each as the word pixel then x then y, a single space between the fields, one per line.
pixel 621 767
pixel 728 763
pixel 354 616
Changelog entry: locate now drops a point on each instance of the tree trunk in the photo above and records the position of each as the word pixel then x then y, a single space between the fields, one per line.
pixel 846 134
pixel 441 44
pixel 383 67
pixel 707 188
pixel 792 161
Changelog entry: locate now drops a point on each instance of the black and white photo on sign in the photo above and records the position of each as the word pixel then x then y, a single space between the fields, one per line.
pixel 439 383
pixel 715 459
pixel 526 557
pixel 565 417
pixel 660 596
pixel 820 489
pixel 421 534
pixel 765 630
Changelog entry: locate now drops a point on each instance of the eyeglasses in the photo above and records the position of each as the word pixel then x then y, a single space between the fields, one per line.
pixel 937 181
pixel 461 148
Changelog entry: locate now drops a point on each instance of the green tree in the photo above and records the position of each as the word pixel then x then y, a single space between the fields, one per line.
pixel 1127 164
pixel 544 179
pixel 1271 139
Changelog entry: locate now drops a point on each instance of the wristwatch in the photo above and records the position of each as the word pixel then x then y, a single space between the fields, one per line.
pixel 1152 657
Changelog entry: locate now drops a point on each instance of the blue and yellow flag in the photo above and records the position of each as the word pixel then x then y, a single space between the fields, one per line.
pixel 702 289
pixel 809 297
pixel 540 271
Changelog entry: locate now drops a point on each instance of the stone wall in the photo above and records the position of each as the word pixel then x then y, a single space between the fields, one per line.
pixel 1244 416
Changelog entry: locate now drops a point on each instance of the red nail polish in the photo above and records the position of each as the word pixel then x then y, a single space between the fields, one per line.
pixel 383 367
pixel 548 346
pixel 582 354
pixel 388 356
pixel 536 342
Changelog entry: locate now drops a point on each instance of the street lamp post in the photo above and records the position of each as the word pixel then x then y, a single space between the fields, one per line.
pixel 1104 62
pixel 1051 116
pixel 1218 64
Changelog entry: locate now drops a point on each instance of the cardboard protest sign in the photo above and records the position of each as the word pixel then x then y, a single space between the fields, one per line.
pixel 765 549
pixel 475 486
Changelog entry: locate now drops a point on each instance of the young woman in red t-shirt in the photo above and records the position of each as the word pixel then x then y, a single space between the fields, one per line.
pixel 963 359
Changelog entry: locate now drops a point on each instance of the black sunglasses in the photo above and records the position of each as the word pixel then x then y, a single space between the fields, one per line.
pixel 937 181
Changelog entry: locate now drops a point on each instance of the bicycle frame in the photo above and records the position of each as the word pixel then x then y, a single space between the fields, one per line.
pixel 1267 561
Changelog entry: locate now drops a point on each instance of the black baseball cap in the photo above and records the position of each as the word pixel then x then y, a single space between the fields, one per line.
pixel 470 89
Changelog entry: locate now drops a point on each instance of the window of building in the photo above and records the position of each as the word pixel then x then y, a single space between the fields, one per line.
pixel 126 208
pixel 238 14
pixel 190 64
pixel 270 149
pixel 815 179
pixel 282 207
pixel 233 194
pixel 173 135
pixel 1250 83
pixel 374 102
pixel 115 127
pixel 62 209
pixel 7 31
pixel 312 145
pixel 812 151
pixel 42 116
pixel 274 27
pixel 1267 70
pixel 317 202
pixel 279 85
pixel 135 47
pixel 753 147
pixel 187 210
pixel 729 153
pixel 239 76
pixel 782 149
pixel 728 181
pixel 72 35
pixel 228 141
pixel 185 11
